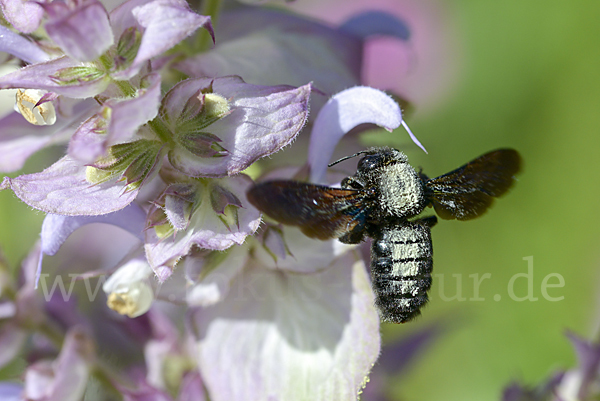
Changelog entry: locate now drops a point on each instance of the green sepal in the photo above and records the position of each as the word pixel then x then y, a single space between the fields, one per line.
pixel 131 161
pixel 127 48
pixel 76 75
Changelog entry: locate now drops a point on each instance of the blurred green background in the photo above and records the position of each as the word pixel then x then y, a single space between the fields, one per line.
pixel 529 79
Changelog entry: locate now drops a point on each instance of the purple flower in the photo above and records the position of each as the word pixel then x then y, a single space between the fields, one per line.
pixel 102 49
pixel 118 120
pixel 221 126
pixel 102 52
pixel 80 28
pixel 217 217
pixel 240 123
pixel 21 47
pixel 19 139
pixel 269 314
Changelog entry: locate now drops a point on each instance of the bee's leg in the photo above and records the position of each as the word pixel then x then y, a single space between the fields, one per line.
pixel 352 183
pixel 429 221
pixel 357 235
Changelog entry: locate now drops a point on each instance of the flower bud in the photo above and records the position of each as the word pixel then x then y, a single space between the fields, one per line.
pixel 129 290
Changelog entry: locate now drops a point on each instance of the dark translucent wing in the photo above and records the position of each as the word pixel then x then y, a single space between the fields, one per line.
pixel 469 191
pixel 321 212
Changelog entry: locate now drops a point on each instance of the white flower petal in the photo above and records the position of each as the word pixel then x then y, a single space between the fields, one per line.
pixel 305 255
pixel 131 272
pixel 215 285
pixel 290 337
pixel 344 111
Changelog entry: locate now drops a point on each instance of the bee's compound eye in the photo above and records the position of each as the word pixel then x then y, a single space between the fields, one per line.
pixel 369 162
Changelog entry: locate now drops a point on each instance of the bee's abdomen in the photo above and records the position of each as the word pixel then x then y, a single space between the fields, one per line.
pixel 401 263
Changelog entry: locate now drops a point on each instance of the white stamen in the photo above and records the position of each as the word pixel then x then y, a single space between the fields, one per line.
pixel 413 137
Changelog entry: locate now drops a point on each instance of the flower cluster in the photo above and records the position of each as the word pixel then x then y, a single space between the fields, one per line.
pixel 269 314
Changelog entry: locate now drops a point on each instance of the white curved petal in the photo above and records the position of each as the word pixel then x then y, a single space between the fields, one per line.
pixel 344 111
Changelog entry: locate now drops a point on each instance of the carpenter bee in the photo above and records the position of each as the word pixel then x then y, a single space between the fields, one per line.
pixel 382 201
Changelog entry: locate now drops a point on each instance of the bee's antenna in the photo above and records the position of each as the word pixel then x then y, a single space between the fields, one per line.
pixel 347 157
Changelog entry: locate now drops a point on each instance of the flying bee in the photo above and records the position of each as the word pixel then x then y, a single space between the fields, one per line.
pixel 382 201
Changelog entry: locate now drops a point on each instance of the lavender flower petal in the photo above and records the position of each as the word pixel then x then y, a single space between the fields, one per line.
pixel 57 228
pixel 81 29
pixel 255 335
pixel 191 388
pixel 44 76
pixel 376 23
pixel 271 48
pixel 20 47
pixel 11 391
pixel 121 17
pixel 67 377
pixel 206 229
pixel 15 152
pixel 261 121
pixel 24 15
pixel 63 189
pixel 125 117
pixel 344 111
pixel 166 23
pixel 19 139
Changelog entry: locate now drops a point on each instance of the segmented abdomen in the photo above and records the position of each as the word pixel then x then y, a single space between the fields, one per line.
pixel 401 263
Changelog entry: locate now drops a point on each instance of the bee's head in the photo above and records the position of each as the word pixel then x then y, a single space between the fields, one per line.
pixel 376 159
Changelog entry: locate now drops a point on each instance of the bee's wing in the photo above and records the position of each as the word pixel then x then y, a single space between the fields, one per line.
pixel 320 212
pixel 469 191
